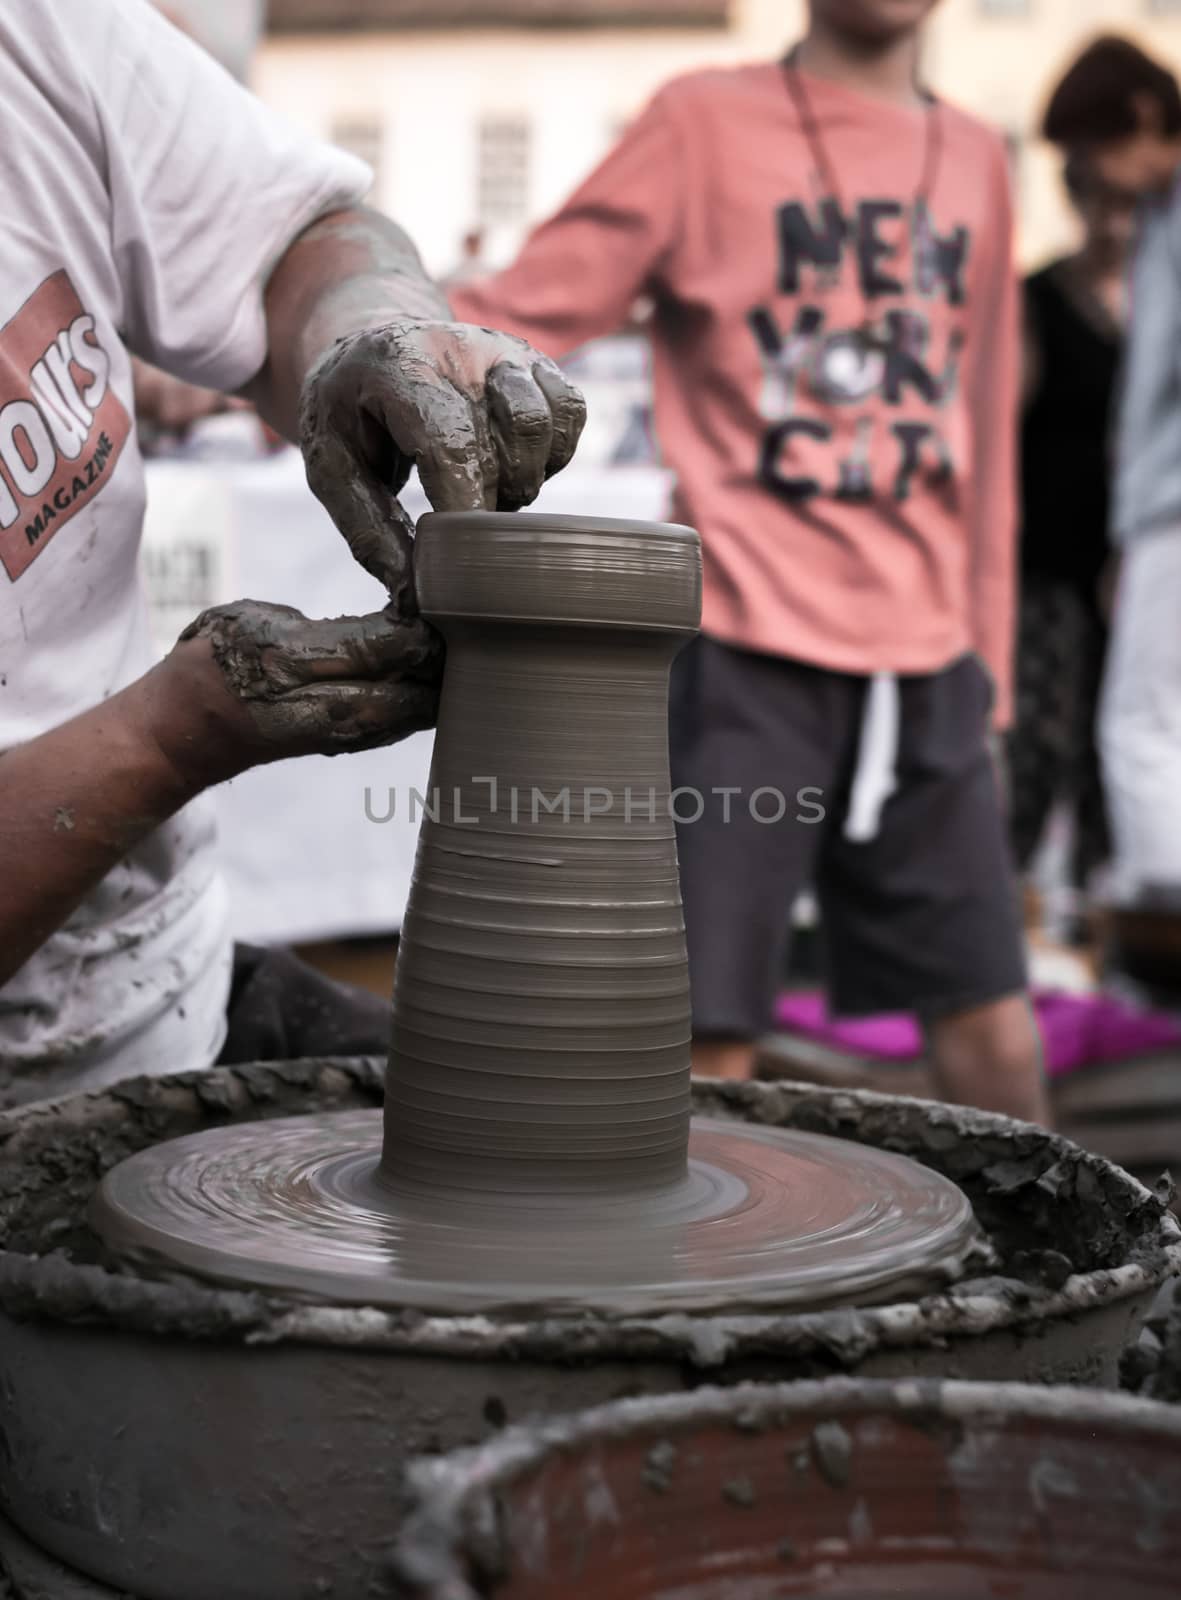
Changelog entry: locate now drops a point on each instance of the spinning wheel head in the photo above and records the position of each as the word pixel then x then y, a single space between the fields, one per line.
pixel 764 1217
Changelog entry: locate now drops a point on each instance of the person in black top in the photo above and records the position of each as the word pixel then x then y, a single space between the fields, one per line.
pixel 1115 115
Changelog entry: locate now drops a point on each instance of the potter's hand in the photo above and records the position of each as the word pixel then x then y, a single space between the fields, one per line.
pixel 486 418
pixel 249 683
pixel 246 684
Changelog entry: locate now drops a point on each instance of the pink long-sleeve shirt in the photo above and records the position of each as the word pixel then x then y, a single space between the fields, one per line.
pixel 857 509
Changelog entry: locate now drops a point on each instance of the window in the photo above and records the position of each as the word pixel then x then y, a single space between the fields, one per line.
pixel 503 173
pixel 1164 8
pixel 364 137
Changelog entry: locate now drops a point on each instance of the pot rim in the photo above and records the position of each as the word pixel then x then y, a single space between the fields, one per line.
pixel 558 571
pixel 752 1407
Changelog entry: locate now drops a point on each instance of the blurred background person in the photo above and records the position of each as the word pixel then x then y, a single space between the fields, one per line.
pixel 835 360
pixel 1140 721
pixel 1115 116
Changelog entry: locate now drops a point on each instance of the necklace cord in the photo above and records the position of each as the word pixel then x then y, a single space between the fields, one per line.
pixel 821 160
pixel 825 174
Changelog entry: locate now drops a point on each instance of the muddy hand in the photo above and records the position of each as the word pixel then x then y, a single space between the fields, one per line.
pixel 249 683
pixel 486 418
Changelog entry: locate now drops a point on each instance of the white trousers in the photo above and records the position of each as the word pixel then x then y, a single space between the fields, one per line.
pixel 1140 716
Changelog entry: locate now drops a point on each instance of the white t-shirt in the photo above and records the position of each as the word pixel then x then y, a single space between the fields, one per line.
pixel 145 198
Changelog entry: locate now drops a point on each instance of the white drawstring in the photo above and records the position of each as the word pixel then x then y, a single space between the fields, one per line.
pixel 876 777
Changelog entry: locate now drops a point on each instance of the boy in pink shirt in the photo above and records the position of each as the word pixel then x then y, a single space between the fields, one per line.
pixel 835 353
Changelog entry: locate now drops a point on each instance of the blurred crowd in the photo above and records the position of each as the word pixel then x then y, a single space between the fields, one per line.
pixel 1092 759
pixel 1093 756
pixel 1094 750
pixel 1096 725
pixel 940 510
pixel 900 386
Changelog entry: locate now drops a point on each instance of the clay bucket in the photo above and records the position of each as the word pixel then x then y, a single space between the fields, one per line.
pixel 845 1488
pixel 176 1441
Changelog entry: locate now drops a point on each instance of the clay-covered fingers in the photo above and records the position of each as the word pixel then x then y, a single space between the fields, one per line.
pixel 291 685
pixel 248 684
pixel 268 650
pixel 331 719
pixel 343 450
pixel 523 428
pixel 438 425
pixel 486 418
pixel 568 410
pixel 300 650
pixel 537 419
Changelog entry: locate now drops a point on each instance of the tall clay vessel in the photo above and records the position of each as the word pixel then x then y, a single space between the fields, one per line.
pixel 541 1006
pixel 536 1143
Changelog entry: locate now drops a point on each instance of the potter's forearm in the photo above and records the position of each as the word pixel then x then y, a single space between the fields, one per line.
pixel 72 804
pixel 348 271
pixel 245 684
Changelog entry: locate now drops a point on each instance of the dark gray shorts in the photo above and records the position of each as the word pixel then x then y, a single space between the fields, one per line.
pixel 922 918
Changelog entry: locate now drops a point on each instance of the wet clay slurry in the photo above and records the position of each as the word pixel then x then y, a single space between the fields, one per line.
pixel 541 1004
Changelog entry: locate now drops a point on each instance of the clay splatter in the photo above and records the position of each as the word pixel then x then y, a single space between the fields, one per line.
pixel 658 1468
pixel 832 1451
pixel 739 1492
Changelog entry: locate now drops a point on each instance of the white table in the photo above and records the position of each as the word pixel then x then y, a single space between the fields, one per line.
pixel 302 857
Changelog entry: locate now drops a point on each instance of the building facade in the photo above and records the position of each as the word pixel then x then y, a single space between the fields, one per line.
pixel 481 115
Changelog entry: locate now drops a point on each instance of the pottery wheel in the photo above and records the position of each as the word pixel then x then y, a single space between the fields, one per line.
pixel 764 1217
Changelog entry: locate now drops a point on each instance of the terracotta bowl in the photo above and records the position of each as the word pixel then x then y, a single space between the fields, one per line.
pixel 839 1489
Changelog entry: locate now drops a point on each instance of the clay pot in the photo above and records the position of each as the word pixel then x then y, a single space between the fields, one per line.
pixel 182 1442
pixel 845 1488
pixel 541 1003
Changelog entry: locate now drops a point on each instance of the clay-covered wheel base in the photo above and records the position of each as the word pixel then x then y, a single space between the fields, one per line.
pixel 766 1216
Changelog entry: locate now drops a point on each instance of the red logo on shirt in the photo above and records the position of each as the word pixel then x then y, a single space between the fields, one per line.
pixel 62 426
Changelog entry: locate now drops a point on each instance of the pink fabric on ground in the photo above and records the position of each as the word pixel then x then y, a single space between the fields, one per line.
pixel 1077 1030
